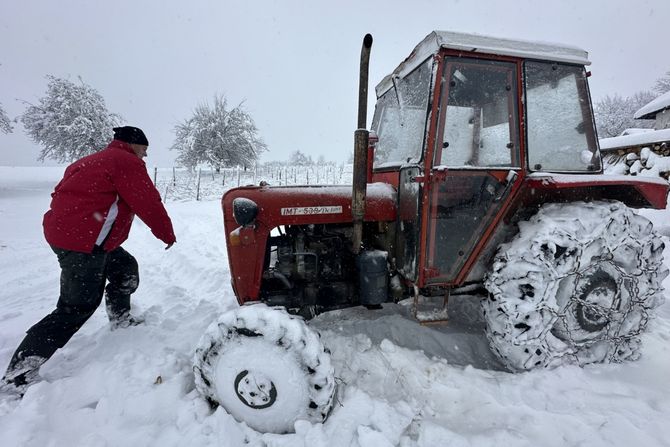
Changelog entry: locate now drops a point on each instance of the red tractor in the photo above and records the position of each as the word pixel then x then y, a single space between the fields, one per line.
pixel 481 173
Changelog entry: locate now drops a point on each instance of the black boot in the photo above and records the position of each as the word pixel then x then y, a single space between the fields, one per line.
pixel 20 375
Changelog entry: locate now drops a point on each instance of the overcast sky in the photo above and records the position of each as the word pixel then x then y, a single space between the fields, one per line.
pixel 293 63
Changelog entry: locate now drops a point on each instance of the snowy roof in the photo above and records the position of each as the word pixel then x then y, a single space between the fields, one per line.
pixel 650 110
pixel 483 44
pixel 637 139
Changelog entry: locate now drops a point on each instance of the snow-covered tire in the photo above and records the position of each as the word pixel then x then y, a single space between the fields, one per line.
pixel 576 285
pixel 266 368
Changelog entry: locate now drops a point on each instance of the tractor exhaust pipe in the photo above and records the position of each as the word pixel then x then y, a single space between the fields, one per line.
pixel 361 149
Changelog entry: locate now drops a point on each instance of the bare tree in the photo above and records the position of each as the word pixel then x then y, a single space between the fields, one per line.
pixel 299 158
pixel 663 84
pixel 614 114
pixel 70 121
pixel 218 136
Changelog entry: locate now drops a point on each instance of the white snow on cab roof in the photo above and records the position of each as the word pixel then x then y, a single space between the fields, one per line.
pixel 650 110
pixel 483 44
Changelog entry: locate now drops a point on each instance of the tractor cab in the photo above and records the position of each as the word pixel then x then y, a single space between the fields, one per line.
pixel 461 125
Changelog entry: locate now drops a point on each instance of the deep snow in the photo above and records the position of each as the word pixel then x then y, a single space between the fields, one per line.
pixel 399 383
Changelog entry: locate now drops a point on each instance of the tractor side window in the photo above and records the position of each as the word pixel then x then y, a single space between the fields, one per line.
pixel 559 119
pixel 400 119
pixel 480 124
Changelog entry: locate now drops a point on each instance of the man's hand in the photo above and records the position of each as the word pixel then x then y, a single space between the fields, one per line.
pixel 169 245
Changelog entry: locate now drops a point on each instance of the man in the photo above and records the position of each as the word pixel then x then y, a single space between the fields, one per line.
pixel 92 209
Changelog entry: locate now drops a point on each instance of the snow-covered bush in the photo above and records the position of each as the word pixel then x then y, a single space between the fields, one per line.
pixel 70 121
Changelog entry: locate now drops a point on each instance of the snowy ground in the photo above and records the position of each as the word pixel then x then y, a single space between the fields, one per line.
pixel 400 383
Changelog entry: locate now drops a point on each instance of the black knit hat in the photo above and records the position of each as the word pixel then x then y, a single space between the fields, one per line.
pixel 130 134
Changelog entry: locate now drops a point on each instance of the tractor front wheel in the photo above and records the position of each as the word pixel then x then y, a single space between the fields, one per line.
pixel 576 285
pixel 266 368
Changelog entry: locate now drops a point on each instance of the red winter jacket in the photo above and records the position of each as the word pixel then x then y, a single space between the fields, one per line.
pixel 90 186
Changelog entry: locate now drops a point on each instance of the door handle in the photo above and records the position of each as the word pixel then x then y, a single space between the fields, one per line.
pixel 509 182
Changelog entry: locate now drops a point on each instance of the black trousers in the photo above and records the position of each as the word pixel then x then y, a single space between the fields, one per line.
pixel 82 284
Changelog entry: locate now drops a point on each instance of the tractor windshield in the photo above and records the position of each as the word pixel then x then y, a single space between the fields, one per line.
pixel 400 118
pixel 480 127
pixel 559 119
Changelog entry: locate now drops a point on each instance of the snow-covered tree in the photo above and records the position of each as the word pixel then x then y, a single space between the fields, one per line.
pixel 614 114
pixel 5 126
pixel 70 121
pixel 218 136
pixel 298 158
pixel 663 84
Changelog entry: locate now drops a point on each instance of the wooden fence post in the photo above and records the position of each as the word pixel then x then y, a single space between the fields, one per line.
pixel 197 189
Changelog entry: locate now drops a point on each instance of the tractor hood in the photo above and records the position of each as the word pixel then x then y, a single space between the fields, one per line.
pixel 295 205
pixel 273 207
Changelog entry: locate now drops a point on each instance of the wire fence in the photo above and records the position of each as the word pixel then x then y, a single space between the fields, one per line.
pixel 183 184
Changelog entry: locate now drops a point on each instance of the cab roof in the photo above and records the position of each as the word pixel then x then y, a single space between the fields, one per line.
pixel 476 43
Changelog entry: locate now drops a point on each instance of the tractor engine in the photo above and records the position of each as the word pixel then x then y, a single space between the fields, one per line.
pixel 309 269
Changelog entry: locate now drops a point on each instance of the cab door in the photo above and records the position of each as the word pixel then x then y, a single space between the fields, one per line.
pixel 476 163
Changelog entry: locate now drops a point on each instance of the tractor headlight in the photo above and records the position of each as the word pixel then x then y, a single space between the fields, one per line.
pixel 244 211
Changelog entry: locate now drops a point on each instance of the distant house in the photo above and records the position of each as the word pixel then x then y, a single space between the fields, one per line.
pixel 658 110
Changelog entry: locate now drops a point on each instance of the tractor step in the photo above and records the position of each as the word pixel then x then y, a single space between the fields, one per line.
pixel 430 309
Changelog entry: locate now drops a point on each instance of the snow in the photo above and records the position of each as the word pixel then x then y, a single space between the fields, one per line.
pixel 635 130
pixel 649 111
pixel 400 384
pixel 636 139
pixel 566 179
pixel 432 43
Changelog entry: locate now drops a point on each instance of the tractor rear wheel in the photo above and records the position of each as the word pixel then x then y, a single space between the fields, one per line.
pixel 266 368
pixel 576 285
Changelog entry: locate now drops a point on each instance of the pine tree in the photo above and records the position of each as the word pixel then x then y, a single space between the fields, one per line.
pixel 5 123
pixel 70 121
pixel 218 137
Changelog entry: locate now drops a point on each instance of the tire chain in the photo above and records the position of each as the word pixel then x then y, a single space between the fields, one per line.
pixel 317 365
pixel 625 346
